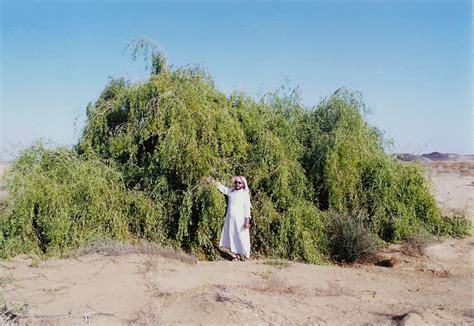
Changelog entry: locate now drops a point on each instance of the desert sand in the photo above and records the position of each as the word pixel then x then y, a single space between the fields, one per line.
pixel 149 289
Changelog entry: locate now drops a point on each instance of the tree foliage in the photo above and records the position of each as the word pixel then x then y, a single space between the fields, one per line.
pixel 58 200
pixel 137 171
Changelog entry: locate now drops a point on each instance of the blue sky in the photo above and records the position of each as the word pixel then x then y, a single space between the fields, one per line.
pixel 410 59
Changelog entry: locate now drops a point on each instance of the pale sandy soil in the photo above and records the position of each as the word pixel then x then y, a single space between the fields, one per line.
pixel 435 289
pixel 453 186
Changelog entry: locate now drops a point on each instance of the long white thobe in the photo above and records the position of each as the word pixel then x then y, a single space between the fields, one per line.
pixel 234 235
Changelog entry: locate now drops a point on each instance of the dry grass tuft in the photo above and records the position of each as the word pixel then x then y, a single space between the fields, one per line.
pixel 10 314
pixel 7 317
pixel 467 173
pixel 277 263
pixel 465 168
pixel 275 285
pixel 438 273
pixel 222 297
pixel 108 247
pixel 171 253
pixel 4 280
pixel 415 245
pixel 225 294
pixel 333 290
pixel 147 316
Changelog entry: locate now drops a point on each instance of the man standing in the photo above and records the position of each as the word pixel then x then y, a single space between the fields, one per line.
pixel 235 233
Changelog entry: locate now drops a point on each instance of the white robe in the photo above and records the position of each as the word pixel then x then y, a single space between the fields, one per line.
pixel 234 235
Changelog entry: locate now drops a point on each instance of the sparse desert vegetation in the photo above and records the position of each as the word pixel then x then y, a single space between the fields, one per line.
pixel 464 168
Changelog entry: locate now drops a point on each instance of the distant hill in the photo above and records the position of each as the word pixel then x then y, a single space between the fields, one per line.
pixel 434 156
pixel 406 157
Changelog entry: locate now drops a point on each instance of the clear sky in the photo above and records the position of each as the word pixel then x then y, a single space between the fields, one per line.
pixel 410 59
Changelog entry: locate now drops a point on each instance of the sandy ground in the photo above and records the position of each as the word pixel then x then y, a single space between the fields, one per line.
pixel 141 289
pixel 453 186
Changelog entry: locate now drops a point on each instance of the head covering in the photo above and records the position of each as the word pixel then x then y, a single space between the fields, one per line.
pixel 245 186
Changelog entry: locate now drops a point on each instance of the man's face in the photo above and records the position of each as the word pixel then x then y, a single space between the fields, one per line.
pixel 237 184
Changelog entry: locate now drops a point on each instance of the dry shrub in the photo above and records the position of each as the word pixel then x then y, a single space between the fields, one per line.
pixel 464 167
pixel 442 165
pixel 415 245
pixel 349 241
pixel 469 173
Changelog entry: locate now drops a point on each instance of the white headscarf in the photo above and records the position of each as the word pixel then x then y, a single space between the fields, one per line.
pixel 245 186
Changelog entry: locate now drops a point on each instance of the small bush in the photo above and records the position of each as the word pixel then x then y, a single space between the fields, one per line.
pixel 348 240
pixel 456 226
